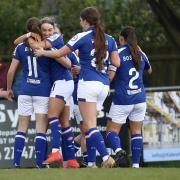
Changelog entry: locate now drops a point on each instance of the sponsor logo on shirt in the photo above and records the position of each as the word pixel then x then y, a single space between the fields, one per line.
pixel 74 38
pixel 33 81
pixel 135 91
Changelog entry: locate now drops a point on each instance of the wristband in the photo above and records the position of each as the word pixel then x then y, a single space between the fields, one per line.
pixel 28 34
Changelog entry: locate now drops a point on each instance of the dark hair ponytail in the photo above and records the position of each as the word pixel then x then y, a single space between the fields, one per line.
pixel 91 15
pixel 100 46
pixel 130 37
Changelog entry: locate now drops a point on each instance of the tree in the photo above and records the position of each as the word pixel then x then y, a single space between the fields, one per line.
pixel 68 16
pixel 137 13
pixel 13 15
pixel 115 13
pixel 168 15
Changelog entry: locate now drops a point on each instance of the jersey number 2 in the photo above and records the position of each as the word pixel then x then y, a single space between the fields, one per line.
pixel 131 81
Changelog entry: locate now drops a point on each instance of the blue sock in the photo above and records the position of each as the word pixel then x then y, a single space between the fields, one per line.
pixel 65 157
pixel 94 140
pixel 113 140
pixel 76 146
pixel 136 147
pixel 55 132
pixel 68 141
pixel 40 148
pixel 91 151
pixel 18 147
pixel 46 151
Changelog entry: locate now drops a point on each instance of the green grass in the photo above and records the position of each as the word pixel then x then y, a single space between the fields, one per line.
pixel 91 174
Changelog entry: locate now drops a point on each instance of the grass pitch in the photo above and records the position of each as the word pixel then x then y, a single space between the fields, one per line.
pixel 91 174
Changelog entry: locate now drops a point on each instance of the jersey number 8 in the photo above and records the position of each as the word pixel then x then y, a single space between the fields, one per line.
pixel 93 61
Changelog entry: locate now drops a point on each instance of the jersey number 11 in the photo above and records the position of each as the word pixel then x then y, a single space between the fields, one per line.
pixel 32 66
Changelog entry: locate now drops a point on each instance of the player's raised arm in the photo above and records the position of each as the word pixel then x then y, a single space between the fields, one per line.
pixel 65 61
pixel 53 54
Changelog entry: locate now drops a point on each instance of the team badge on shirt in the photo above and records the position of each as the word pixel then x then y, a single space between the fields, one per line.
pixel 74 38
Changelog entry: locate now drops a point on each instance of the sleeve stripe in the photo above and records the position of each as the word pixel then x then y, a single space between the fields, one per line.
pixel 77 37
pixel 145 57
pixel 121 49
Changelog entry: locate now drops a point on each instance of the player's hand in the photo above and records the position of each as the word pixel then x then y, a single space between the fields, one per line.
pixel 10 95
pixel 75 69
pixel 38 52
pixel 7 94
